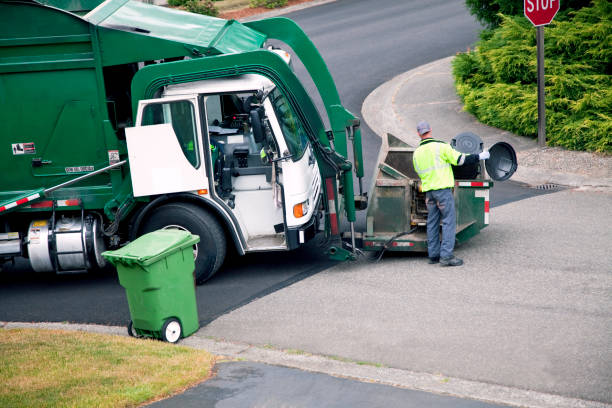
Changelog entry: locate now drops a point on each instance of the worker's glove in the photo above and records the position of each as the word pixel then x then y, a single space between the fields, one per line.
pixel 484 155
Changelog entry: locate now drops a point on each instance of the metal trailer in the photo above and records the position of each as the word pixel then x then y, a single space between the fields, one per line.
pixel 397 214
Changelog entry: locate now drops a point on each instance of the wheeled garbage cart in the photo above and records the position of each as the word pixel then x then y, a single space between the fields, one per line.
pixel 156 271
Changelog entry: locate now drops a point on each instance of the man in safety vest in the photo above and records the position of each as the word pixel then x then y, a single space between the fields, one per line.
pixel 432 161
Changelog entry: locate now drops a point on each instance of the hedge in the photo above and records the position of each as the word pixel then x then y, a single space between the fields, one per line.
pixel 497 82
pixel 488 11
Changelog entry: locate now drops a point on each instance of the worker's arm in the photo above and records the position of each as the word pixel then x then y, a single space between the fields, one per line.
pixel 472 158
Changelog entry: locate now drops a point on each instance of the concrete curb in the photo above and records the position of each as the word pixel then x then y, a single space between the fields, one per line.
pixel 286 10
pixel 427 92
pixel 364 372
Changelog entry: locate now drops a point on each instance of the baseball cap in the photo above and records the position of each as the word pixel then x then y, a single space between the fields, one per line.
pixel 423 127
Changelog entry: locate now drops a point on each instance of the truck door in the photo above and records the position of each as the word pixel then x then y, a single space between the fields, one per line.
pixel 271 180
pixel 300 175
pixel 245 180
pixel 164 149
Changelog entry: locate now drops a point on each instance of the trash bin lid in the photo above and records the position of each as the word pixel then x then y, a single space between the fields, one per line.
pixel 150 247
pixel 502 164
pixel 467 142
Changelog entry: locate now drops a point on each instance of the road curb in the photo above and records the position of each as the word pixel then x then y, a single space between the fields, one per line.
pixel 286 10
pixel 360 371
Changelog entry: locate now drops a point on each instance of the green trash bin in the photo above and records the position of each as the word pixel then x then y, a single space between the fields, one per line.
pixel 156 271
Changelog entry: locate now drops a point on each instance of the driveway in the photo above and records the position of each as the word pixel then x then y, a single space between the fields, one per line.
pixel 531 307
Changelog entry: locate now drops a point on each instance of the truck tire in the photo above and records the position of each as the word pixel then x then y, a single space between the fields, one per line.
pixel 210 251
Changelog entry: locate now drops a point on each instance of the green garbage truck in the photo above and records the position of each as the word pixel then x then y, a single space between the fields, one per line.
pixel 121 118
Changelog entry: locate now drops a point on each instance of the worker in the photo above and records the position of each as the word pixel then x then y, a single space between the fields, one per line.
pixel 432 161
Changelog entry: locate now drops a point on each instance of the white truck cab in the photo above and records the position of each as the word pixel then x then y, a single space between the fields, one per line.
pixel 235 143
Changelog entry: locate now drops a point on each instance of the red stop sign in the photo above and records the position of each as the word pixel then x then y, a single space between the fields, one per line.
pixel 540 12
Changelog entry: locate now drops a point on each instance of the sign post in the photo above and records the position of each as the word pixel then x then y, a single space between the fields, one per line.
pixel 540 13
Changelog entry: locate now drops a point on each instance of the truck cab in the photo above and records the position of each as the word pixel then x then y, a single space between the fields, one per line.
pixel 237 144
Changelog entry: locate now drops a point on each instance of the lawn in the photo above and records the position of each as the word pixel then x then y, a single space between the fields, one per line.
pixel 54 368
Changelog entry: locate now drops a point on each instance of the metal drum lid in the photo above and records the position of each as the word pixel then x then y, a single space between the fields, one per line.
pixel 502 164
pixel 467 142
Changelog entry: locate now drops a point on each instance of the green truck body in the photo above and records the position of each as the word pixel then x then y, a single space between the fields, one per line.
pixel 71 77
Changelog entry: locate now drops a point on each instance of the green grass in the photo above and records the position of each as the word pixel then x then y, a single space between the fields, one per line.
pixel 53 368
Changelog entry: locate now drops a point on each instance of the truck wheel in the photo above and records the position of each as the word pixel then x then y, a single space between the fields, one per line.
pixel 210 252
pixel 171 330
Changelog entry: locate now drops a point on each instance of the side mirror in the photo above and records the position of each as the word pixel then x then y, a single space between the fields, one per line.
pixel 258 132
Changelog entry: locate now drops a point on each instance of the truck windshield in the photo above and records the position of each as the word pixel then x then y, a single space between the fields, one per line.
pixel 293 131
pixel 180 114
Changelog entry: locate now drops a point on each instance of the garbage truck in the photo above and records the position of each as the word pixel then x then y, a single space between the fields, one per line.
pixel 119 118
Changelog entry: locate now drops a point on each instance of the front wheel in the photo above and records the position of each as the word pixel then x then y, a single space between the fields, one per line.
pixel 171 330
pixel 209 253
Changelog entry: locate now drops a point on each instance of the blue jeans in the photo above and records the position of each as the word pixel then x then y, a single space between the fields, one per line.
pixel 441 206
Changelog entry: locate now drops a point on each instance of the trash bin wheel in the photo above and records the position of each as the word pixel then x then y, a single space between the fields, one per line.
pixel 210 251
pixel 130 329
pixel 171 330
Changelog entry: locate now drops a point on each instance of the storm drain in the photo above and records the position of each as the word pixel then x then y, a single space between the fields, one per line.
pixel 548 186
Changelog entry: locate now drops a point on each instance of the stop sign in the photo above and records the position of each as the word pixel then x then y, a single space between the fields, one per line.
pixel 540 12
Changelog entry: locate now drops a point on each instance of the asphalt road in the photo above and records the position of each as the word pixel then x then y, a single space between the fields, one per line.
pixel 361 52
pixel 530 309
pixel 247 384
pixel 26 296
pixel 366 43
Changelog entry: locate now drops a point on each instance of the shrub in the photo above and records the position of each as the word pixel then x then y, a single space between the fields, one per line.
pixel 205 7
pixel 176 3
pixel 268 3
pixel 498 81
pixel 488 11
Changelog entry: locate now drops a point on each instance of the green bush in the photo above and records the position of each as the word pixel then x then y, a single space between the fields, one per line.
pixel 268 3
pixel 176 3
pixel 498 81
pixel 487 11
pixel 205 7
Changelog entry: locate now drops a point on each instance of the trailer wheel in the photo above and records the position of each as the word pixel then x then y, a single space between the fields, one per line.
pixel 210 252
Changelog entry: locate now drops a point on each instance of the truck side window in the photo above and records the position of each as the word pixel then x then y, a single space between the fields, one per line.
pixel 181 115
pixel 293 131
pixel 228 122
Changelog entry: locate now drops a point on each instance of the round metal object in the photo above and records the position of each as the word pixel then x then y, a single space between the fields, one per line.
pixel 467 142
pixel 502 164
pixel 69 238
pixel 38 246
pixel 87 245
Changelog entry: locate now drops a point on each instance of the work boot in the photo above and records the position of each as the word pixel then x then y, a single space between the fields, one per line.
pixel 434 260
pixel 451 261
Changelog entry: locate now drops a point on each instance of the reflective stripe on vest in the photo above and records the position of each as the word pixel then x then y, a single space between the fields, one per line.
pixel 439 164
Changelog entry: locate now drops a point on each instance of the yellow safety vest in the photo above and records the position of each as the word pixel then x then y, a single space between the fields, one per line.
pixel 432 161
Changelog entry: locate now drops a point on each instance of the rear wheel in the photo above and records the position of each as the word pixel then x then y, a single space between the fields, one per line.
pixel 210 252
